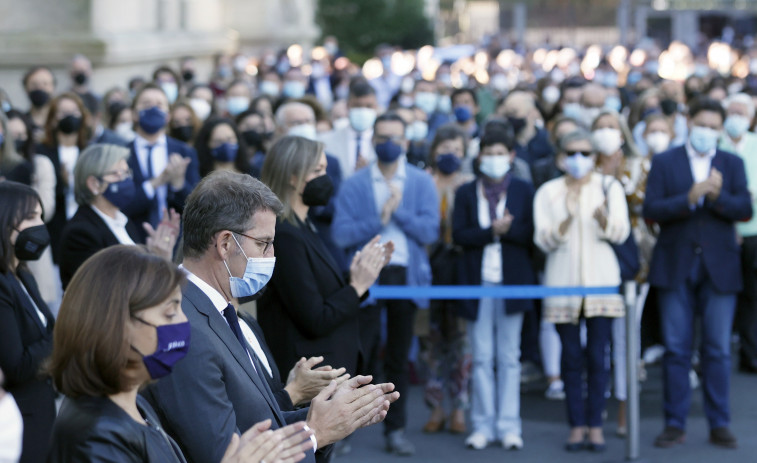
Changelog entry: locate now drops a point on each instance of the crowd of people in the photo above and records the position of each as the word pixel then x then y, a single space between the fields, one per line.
pixel 141 230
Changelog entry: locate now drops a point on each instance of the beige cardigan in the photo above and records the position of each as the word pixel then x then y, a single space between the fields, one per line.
pixel 583 256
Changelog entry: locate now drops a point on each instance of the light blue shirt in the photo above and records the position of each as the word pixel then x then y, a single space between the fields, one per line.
pixel 381 193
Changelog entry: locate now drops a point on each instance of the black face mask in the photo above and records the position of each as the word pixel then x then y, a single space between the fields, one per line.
pixel 268 136
pixel 668 106
pixel 69 124
pixel 31 242
pixel 318 191
pixel 20 144
pixel 80 78
pixel 253 139
pixel 518 124
pixel 39 98
pixel 183 133
pixel 187 75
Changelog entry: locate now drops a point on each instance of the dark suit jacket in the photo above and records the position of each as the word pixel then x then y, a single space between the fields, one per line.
pixel 516 243
pixel 309 309
pixel 56 224
pixel 25 343
pixel 214 391
pixel 143 209
pixel 323 215
pixel 274 379
pixel 707 230
pixel 84 235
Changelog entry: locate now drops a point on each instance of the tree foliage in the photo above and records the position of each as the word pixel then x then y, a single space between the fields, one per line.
pixel 361 25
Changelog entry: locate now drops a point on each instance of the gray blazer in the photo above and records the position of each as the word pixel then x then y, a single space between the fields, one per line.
pixel 214 391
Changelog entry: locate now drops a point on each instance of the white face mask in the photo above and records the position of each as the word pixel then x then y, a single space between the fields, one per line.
pixel 578 165
pixel 362 119
pixel 494 167
pixel 11 429
pixel 200 107
pixel 305 131
pixel 341 123
pixel 607 141
pixel 417 131
pixel 657 142
pixel 589 114
pixel 550 94
pixel 125 131
pixel 270 88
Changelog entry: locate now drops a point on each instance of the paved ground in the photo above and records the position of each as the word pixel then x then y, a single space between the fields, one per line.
pixel 545 429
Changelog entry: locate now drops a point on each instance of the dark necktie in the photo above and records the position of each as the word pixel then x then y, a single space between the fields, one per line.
pixel 230 314
pixel 357 149
pixel 150 173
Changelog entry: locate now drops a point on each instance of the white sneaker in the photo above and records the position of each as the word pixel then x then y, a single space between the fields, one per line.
pixel 477 441
pixel 693 380
pixel 512 442
pixel 556 390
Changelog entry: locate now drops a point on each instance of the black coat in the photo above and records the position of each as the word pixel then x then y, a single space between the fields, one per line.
pixel 24 345
pixel 96 429
pixel 309 308
pixel 84 235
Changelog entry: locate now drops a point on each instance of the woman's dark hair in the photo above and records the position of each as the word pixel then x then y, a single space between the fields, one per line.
pixel 497 130
pixel 706 104
pixel 91 346
pixel 114 112
pixel 27 148
pixel 444 133
pixel 18 203
pixel 256 101
pixel 206 161
pixel 51 124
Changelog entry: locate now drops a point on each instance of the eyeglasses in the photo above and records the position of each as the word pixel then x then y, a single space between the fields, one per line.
pixel 585 154
pixel 268 244
pixel 121 174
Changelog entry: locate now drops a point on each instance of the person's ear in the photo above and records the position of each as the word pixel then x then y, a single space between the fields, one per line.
pixel 94 185
pixel 224 243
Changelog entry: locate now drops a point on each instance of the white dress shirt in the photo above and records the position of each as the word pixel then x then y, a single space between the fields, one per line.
pixel 700 166
pixel 220 303
pixel 68 156
pixel 491 263
pixel 159 163
pixel 117 225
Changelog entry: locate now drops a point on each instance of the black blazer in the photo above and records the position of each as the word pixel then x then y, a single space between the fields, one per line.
pixel 274 379
pixel 214 391
pixel 96 429
pixel 516 243
pixel 84 235
pixel 56 224
pixel 24 345
pixel 143 209
pixel 309 308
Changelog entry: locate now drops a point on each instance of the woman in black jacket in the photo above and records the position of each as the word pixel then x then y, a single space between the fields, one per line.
pixel 310 308
pixel 113 338
pixel 26 324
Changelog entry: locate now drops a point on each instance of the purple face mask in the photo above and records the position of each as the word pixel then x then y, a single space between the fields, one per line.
pixel 173 345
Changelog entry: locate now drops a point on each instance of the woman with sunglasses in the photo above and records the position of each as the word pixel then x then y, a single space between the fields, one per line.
pixel 103 186
pixel 576 218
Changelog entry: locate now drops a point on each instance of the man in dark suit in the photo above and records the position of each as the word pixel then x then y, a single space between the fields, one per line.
pixel 220 387
pixel 165 170
pixel 695 193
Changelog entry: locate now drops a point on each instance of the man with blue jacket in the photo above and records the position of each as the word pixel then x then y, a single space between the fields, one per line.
pixel 696 193
pixel 399 202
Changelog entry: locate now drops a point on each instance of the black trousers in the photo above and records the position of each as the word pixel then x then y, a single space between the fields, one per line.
pixel 746 309
pixel 400 317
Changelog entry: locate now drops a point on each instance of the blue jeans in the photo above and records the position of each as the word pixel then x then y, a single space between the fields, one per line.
pixel 585 409
pixel 495 337
pixel 678 307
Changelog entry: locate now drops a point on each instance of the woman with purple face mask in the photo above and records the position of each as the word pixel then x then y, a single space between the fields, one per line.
pixel 576 217
pixel 109 341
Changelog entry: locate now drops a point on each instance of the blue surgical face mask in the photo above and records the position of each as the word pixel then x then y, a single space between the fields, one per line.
pixel 293 89
pixel 448 163
pixel 426 101
pixel 121 194
pixel 173 345
pixel 257 273
pixel 463 114
pixel 388 152
pixel 236 105
pixel 362 119
pixel 171 89
pixel 152 120
pixel 735 125
pixel 444 104
pixel 226 152
pixel 703 139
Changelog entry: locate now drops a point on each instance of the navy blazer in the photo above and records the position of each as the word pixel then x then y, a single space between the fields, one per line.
pixel 516 243
pixel 214 391
pixel 25 344
pixel 143 209
pixel 707 230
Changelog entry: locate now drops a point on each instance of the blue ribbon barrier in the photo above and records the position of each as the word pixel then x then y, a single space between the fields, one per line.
pixel 478 292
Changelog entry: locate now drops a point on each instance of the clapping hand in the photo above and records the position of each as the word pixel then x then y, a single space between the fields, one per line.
pixel 161 240
pixel 367 264
pixel 305 382
pixel 502 225
pixel 259 443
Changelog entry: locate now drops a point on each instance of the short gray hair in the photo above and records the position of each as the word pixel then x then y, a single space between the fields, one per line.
pixel 223 201
pixel 95 161
pixel 281 113
pixel 576 135
pixel 740 98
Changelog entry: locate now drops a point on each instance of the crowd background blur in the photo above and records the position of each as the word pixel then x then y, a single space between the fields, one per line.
pixel 448 145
